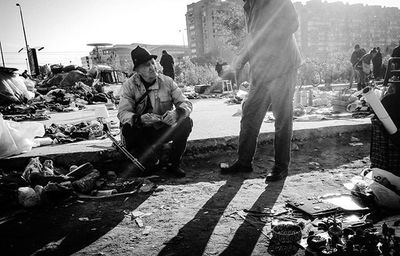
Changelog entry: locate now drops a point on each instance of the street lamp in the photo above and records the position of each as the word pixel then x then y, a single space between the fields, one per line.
pixel 23 28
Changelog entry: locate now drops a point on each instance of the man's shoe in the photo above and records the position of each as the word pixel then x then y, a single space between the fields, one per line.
pixel 176 171
pixel 235 168
pixel 276 175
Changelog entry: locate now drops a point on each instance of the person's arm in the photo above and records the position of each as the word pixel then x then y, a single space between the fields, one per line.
pixel 126 112
pixel 274 21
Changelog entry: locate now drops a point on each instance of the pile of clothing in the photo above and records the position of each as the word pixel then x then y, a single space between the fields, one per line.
pixel 68 133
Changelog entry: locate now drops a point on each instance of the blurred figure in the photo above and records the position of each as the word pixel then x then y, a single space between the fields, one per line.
pixel 218 68
pixel 366 66
pixel 377 64
pixel 357 65
pixel 396 53
pixel 274 57
pixel 167 62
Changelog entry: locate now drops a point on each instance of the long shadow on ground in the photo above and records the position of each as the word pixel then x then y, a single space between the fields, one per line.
pixel 247 235
pixel 192 239
pixel 58 231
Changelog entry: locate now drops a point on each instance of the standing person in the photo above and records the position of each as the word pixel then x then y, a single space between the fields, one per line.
pixel 357 65
pixel 366 66
pixel 167 62
pixel 153 111
pixel 396 54
pixel 274 57
pixel 218 68
pixel 396 51
pixel 377 64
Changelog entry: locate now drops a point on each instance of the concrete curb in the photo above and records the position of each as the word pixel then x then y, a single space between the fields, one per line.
pixel 102 151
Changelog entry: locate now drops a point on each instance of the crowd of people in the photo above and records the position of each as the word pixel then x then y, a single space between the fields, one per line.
pixel 361 61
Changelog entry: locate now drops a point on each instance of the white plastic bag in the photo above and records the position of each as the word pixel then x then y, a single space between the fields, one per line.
pixel 7 144
pixel 384 196
pixel 17 137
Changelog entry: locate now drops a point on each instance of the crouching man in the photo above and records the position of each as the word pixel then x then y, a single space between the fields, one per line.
pixel 152 112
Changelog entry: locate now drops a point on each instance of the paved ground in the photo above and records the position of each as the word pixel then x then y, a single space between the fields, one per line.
pixel 212 119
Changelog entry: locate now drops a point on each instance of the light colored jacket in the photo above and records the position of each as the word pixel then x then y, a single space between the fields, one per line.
pixel 270 46
pixel 164 95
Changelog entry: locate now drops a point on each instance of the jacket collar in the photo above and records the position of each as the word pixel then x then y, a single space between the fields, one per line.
pixel 139 84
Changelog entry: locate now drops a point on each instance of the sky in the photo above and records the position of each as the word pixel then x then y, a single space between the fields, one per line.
pixel 64 28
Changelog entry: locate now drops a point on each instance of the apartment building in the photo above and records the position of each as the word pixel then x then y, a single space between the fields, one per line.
pixel 326 28
pixel 202 24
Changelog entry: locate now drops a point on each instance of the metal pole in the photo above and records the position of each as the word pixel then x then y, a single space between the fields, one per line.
pixel 183 39
pixel 23 28
pixel 2 56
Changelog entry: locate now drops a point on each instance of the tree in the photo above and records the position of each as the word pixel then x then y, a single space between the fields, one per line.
pixel 233 26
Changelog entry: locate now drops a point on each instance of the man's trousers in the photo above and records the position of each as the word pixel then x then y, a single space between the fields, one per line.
pixel 143 142
pixel 278 94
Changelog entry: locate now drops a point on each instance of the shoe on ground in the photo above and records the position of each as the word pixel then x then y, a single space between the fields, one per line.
pixel 276 175
pixel 235 168
pixel 176 171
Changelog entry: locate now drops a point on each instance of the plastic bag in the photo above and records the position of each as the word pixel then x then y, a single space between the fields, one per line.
pixel 379 182
pixel 17 137
pixel 7 144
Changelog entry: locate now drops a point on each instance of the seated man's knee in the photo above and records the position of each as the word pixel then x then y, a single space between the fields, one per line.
pixel 186 125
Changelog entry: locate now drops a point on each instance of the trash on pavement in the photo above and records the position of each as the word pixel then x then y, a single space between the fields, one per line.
pixel 17 138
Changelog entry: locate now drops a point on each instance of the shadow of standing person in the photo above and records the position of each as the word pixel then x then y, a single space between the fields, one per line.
pixel 247 236
pixel 193 238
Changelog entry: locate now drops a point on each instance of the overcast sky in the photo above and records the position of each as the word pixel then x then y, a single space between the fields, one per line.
pixel 65 27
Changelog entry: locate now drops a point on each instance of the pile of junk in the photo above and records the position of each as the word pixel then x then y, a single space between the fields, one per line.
pixel 43 184
pixel 364 221
pixel 64 89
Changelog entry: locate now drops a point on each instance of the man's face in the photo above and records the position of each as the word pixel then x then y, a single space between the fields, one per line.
pixel 147 70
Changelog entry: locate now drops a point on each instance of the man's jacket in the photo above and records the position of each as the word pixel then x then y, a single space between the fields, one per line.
pixel 164 95
pixel 270 46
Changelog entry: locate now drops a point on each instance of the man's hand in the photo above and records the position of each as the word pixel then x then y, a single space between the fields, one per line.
pixel 149 119
pixel 170 117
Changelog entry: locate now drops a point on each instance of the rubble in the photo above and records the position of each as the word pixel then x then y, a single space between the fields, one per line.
pixel 68 88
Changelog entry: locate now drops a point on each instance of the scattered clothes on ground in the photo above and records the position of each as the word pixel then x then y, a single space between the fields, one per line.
pixel 42 184
pixel 67 133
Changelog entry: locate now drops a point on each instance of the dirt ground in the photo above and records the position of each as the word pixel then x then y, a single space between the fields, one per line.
pixel 191 216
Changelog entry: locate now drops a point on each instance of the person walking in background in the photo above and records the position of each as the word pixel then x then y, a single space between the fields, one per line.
pixel 357 65
pixel 396 51
pixel 271 50
pixel 218 68
pixel 366 66
pixel 377 64
pixel 167 62
pixel 396 54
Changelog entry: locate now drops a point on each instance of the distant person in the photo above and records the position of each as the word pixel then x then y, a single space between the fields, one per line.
pixel 366 67
pixel 357 65
pixel 153 111
pixel 377 64
pixel 396 53
pixel 274 58
pixel 218 68
pixel 167 62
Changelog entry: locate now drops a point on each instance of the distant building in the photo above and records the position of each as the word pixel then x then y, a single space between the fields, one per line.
pixel 202 20
pixel 329 27
pixel 119 55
